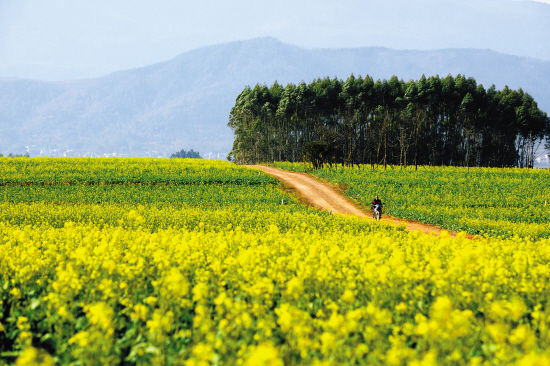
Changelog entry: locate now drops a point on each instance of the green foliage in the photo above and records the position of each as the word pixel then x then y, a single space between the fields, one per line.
pixel 12 155
pixel 430 121
pixel 317 153
pixel 198 263
pixel 97 171
pixel 494 201
pixel 191 154
pixel 166 192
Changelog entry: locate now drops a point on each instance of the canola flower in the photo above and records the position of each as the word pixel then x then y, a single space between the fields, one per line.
pixel 176 283
pixel 482 201
pixel 126 294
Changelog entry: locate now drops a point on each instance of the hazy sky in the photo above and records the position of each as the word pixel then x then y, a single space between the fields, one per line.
pixel 63 39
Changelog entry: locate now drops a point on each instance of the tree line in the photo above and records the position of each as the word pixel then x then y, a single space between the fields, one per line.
pixel 430 121
pixel 191 154
pixel 12 155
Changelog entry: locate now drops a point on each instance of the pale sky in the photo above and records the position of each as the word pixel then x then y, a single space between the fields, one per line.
pixel 65 39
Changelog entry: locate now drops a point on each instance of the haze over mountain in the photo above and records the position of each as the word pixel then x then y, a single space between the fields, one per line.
pixel 185 102
pixel 66 39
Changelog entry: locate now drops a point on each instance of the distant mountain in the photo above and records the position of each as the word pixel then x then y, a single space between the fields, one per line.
pixel 185 102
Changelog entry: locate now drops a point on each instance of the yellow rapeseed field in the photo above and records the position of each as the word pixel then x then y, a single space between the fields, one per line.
pixel 261 280
pixel 495 201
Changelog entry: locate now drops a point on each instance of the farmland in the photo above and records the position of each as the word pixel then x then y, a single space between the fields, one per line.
pixel 156 261
pixel 493 201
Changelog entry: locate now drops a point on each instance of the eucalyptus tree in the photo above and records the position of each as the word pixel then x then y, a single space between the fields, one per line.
pixel 436 121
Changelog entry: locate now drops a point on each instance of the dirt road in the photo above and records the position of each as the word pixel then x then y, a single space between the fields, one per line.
pixel 325 197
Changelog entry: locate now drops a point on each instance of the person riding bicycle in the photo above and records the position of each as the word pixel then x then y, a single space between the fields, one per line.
pixel 376 202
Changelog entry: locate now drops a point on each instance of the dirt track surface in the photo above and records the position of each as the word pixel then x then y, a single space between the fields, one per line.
pixel 325 197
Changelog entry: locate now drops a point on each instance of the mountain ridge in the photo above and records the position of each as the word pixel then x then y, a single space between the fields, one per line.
pixel 276 41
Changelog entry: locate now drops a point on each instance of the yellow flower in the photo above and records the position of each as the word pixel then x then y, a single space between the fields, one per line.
pixel 522 335
pixel 23 323
pixel 161 321
pixel 151 300
pixel 175 284
pixel 140 312
pixel 81 339
pixel 200 291
pixel 348 296
pixel 289 283
pixel 15 292
pixel 34 357
pixel 336 321
pixel 328 341
pixel 517 308
pixel 264 354
pixel 401 307
pixel 294 287
pixel 442 308
pixel 101 314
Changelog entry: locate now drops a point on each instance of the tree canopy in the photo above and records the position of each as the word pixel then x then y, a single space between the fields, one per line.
pixel 186 154
pixel 430 121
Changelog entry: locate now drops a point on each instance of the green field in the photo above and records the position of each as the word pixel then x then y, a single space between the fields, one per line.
pixel 492 201
pixel 198 262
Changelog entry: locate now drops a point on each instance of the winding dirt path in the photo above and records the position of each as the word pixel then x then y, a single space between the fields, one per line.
pixel 325 197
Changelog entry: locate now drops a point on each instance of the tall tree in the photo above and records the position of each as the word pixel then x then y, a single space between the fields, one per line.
pixel 436 121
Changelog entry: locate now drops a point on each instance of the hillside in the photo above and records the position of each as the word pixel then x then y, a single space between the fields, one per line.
pixel 185 102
